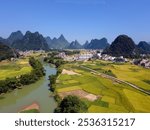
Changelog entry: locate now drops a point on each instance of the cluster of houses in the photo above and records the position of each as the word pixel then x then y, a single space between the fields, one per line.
pixel 84 55
pixel 91 54
pixel 94 54
pixel 142 62
pixel 112 58
pixel 28 53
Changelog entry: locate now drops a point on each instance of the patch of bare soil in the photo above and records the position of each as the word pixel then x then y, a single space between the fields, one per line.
pixel 81 94
pixel 69 72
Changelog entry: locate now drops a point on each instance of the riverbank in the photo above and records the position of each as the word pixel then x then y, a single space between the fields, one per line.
pixel 38 92
pixel 24 79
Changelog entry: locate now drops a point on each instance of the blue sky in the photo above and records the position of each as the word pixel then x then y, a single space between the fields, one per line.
pixel 77 19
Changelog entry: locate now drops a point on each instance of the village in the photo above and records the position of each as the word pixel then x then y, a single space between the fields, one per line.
pixel 86 55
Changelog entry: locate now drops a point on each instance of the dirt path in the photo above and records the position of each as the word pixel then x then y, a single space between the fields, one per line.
pixel 117 80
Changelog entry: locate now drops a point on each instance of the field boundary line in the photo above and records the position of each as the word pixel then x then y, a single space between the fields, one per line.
pixel 118 80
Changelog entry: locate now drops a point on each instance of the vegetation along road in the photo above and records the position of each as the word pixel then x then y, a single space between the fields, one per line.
pixel 117 80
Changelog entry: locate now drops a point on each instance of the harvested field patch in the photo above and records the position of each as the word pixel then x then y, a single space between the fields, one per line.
pixel 80 93
pixel 69 72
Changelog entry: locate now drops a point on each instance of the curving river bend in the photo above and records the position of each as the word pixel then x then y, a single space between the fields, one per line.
pixel 35 93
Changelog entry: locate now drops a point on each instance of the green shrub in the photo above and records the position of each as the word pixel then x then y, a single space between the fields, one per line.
pixel 71 104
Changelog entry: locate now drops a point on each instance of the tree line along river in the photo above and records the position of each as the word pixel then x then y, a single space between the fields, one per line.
pixel 34 93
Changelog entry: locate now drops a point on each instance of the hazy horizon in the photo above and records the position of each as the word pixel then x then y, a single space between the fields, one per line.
pixel 77 19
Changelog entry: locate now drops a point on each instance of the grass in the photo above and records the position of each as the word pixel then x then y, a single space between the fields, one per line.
pixel 70 82
pixel 10 69
pixel 97 109
pixel 111 109
pixel 64 77
pixel 113 97
pixel 108 99
pixel 101 103
pixel 30 111
pixel 140 103
pixel 125 71
pixel 146 81
pixel 132 73
pixel 67 89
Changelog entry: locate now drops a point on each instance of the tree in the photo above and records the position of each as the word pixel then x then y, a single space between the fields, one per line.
pixel 26 79
pixel 52 79
pixel 71 104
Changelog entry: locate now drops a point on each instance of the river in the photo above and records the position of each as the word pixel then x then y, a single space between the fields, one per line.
pixel 38 92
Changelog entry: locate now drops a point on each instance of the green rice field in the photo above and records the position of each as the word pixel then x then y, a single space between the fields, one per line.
pixel 113 97
pixel 128 72
pixel 10 69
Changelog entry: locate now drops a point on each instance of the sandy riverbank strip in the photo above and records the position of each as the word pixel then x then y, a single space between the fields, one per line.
pixel 30 107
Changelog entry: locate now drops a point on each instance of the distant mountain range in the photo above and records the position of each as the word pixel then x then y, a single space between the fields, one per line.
pixel 96 44
pixel 14 36
pixel 35 41
pixel 31 41
pixel 60 43
pixel 144 47
pixel 123 45
pixel 75 45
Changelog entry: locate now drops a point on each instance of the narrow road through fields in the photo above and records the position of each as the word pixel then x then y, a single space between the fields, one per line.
pixel 117 80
